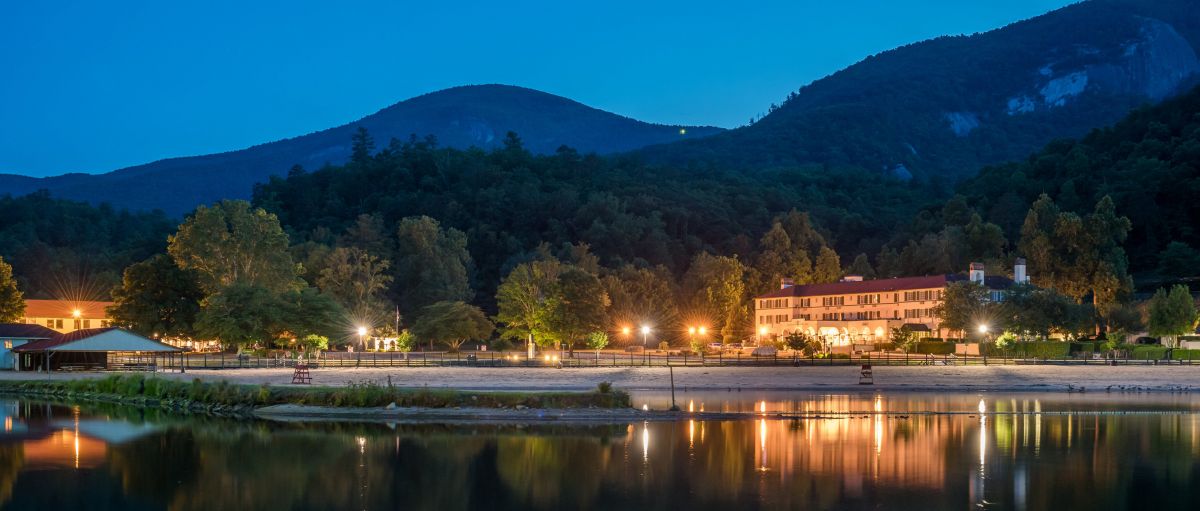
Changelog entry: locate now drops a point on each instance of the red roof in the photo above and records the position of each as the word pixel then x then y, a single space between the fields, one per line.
pixel 88 309
pixel 880 286
pixel 61 339
pixel 865 286
pixel 24 331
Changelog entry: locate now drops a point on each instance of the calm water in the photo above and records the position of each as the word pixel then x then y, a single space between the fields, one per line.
pixel 1036 451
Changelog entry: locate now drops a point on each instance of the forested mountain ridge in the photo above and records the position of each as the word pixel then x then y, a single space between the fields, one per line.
pixel 1149 163
pixel 460 117
pixel 948 106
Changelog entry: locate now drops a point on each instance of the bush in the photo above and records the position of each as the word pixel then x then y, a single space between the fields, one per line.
pixel 500 344
pixel 604 387
pixel 934 348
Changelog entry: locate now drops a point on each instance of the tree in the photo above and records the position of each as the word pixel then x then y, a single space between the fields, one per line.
pixel 1179 260
pixel 432 265
pixel 452 323
pixel 356 280
pixel 309 311
pixel 861 267
pixel 241 315
pixel 12 301
pixel 1172 313
pixel 714 288
pixel 577 306
pixel 228 243
pixel 523 297
pixel 597 341
pixel 1075 255
pixel 157 298
pixel 904 339
pixel 828 267
pixel 362 146
pixel 314 342
pixel 642 296
pixel 405 341
pixel 964 306
pixel 802 342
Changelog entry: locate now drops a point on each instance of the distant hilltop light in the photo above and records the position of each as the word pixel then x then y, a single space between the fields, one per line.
pixel 683 131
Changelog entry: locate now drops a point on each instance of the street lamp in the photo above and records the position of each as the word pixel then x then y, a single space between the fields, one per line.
pixel 645 336
pixel 762 332
pixel 362 331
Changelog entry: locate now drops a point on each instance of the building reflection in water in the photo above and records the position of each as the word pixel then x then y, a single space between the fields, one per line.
pixel 848 451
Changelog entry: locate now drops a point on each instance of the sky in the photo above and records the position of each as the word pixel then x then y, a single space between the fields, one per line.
pixel 95 86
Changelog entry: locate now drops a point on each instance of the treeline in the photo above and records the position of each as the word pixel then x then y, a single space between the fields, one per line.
pixel 508 202
pixel 72 250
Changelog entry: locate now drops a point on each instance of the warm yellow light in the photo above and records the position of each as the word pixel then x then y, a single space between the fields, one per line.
pixel 362 330
pixel 77 313
pixel 546 358
pixel 624 330
pixel 983 329
pixel 762 330
pixel 703 330
pixel 645 330
pixel 692 330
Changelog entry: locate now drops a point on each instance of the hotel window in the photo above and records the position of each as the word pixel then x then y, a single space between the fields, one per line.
pixel 8 345
pixel 833 301
pixel 58 323
pixel 806 302
pixel 77 323
pixel 87 323
pixel 49 323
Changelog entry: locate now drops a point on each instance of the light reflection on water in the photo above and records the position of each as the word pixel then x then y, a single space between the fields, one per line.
pixel 1022 454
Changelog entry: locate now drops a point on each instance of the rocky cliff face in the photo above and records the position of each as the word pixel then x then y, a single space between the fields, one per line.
pixel 949 106
pixel 1155 65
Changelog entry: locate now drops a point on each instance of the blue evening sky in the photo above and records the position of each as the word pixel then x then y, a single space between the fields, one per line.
pixel 98 85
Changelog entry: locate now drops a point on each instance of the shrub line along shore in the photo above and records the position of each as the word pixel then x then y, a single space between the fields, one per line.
pixel 223 398
pixel 536 395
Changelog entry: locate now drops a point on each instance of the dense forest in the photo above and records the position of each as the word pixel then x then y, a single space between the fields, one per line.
pixel 1149 163
pixel 66 249
pixel 508 202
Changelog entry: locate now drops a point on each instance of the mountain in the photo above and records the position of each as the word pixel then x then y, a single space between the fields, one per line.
pixel 946 107
pixel 1148 163
pixel 459 117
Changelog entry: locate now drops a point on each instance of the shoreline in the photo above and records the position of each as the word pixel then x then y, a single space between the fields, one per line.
pixel 887 379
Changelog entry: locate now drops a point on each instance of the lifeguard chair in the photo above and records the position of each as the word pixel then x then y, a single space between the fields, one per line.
pixel 866 376
pixel 300 376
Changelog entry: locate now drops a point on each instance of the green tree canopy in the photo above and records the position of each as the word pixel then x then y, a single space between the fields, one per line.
pixel 577 306
pixel 357 280
pixel 1172 313
pixel 242 315
pixel 432 265
pixel 12 302
pixel 230 243
pixel 523 298
pixel 452 324
pixel 964 307
pixel 157 298
pixel 714 289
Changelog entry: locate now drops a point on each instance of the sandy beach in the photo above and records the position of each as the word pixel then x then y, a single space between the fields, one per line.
pixel 899 378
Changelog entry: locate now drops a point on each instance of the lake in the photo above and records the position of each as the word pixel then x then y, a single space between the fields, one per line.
pixel 851 451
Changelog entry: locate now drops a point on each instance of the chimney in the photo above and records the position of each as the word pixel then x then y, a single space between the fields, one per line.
pixel 977 273
pixel 1019 275
pixel 785 283
pixel 852 278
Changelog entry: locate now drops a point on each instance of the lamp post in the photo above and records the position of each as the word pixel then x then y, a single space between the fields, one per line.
pixel 645 337
pixel 762 332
